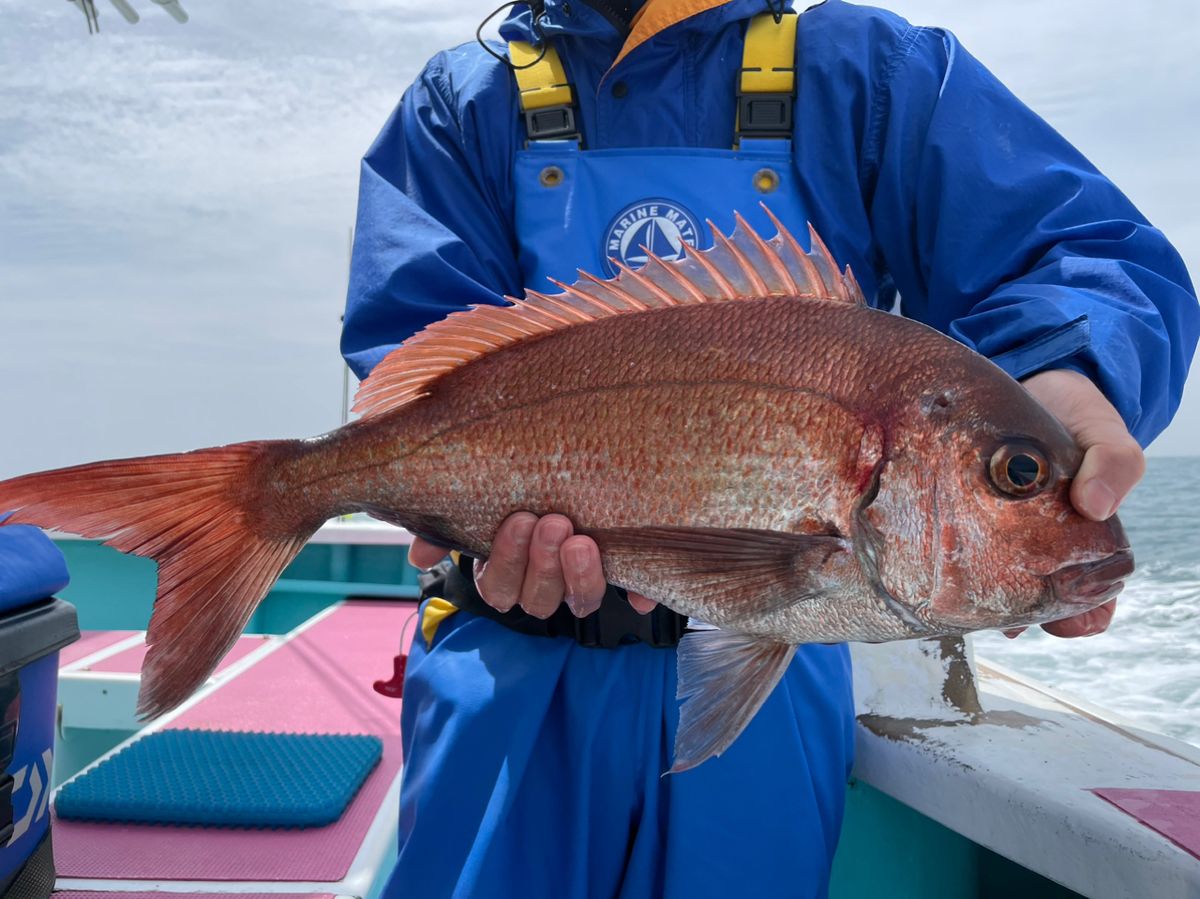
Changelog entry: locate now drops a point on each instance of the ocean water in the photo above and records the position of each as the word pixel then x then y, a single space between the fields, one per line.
pixel 1146 666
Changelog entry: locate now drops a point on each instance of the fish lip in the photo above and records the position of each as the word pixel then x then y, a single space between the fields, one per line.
pixel 1093 583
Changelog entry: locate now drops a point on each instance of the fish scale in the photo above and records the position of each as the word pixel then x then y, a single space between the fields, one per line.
pixel 705 470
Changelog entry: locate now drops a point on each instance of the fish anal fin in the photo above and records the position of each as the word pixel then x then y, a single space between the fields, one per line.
pixel 742 266
pixel 742 570
pixel 724 678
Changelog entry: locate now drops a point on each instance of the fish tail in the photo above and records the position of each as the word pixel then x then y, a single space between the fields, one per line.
pixel 217 521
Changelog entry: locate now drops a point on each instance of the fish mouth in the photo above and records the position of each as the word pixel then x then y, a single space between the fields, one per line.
pixel 1093 583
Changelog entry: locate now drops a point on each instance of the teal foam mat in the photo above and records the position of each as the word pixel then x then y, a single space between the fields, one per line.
pixel 224 779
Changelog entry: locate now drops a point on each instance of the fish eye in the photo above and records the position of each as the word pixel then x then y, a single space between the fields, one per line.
pixel 1019 471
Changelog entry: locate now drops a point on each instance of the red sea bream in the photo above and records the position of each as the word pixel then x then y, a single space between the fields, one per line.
pixel 747 441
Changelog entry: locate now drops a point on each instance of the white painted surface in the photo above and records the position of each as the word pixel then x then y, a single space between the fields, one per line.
pixel 115 648
pixel 360 531
pixel 1018 778
pixel 902 680
pixel 107 700
pixel 99 700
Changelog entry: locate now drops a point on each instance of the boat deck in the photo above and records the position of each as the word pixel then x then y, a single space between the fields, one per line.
pixel 316 679
pixel 1017 796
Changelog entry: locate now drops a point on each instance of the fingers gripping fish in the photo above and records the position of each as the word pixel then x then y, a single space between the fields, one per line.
pixel 746 440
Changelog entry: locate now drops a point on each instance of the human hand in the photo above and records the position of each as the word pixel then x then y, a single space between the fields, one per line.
pixel 1112 465
pixel 536 563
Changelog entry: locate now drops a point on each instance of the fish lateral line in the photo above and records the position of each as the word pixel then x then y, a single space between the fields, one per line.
pixel 314 445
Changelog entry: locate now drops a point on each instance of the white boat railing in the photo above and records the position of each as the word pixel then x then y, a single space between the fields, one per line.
pixel 1012 765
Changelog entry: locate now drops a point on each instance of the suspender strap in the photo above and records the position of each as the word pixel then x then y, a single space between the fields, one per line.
pixel 767 86
pixel 547 100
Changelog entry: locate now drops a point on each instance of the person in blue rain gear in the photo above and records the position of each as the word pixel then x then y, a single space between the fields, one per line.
pixel 534 739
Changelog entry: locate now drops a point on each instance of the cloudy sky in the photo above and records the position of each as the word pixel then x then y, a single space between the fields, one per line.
pixel 175 201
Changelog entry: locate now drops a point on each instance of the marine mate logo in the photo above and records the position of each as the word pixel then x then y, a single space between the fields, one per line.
pixel 661 226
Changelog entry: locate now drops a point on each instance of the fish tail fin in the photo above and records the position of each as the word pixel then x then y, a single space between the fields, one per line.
pixel 219 525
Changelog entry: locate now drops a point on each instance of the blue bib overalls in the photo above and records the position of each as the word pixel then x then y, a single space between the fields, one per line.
pixel 534 765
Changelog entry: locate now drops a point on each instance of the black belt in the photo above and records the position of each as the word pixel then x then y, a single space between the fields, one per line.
pixel 615 623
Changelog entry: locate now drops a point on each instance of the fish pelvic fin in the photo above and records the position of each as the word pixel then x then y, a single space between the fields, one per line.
pixel 219 539
pixel 724 678
pixel 741 266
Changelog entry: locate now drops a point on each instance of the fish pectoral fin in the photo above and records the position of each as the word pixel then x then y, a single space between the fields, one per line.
pixel 724 678
pixel 767 569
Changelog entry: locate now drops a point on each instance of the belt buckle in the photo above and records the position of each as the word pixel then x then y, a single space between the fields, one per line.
pixel 617 623
pixel 609 626
pixel 587 629
pixel 667 626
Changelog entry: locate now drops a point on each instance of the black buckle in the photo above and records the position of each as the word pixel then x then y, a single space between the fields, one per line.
pixel 618 623
pixel 551 123
pixel 763 115
pixel 432 582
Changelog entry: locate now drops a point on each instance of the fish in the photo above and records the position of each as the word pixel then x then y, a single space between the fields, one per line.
pixel 747 440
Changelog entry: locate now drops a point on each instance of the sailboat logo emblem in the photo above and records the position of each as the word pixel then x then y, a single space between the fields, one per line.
pixel 660 226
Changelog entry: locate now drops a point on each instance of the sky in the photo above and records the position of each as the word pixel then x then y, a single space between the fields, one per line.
pixel 176 201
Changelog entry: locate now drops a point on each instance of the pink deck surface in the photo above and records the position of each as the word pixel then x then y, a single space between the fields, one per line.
pixel 129 661
pixel 320 682
pixel 1173 813
pixel 88 643
pixel 83 894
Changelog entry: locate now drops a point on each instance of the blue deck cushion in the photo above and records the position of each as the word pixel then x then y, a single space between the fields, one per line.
pixel 225 779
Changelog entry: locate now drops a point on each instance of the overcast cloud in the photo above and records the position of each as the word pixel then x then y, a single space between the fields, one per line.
pixel 175 201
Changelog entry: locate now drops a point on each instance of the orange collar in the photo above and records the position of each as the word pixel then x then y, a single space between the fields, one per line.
pixel 659 15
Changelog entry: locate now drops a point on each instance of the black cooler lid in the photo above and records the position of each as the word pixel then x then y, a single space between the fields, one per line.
pixel 34 631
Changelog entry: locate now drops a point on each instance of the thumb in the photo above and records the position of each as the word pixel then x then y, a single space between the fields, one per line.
pixel 1111 468
pixel 1113 462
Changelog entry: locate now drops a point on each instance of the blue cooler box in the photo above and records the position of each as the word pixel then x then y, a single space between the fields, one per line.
pixel 33 629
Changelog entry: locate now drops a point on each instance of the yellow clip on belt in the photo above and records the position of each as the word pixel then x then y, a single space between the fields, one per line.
pixel 436 611
pixel 543 82
pixel 769 55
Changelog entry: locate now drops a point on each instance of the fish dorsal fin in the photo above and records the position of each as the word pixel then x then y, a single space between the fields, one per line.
pixel 741 266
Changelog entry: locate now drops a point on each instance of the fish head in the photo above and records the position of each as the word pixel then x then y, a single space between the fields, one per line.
pixel 973 517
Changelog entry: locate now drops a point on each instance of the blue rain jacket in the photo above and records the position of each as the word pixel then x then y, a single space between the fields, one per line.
pixel 31 566
pixel 923 172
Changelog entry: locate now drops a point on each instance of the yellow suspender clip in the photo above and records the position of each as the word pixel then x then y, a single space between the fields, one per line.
pixel 767 85
pixel 546 97
pixel 765 96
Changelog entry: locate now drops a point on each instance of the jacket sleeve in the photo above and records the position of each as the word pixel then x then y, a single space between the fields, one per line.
pixel 999 233
pixel 434 232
